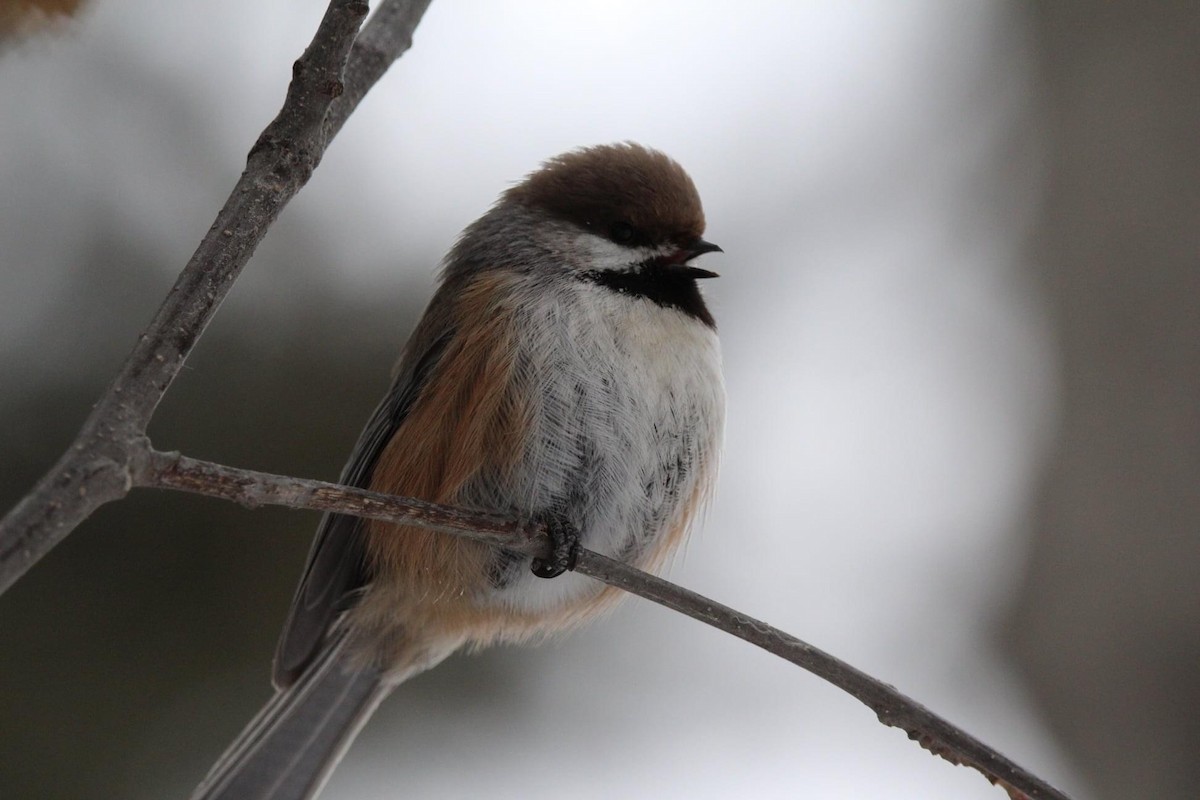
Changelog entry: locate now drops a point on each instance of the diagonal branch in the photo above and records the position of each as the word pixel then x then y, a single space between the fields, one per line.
pixel 894 709
pixel 98 466
pixel 252 489
pixel 387 35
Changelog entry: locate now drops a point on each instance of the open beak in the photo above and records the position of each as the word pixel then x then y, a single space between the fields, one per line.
pixel 697 247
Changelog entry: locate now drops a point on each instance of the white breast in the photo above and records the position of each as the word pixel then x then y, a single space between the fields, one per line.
pixel 627 423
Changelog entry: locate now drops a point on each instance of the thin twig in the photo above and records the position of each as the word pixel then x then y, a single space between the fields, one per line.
pixel 253 489
pixel 250 488
pixel 386 36
pixel 98 466
pixel 932 732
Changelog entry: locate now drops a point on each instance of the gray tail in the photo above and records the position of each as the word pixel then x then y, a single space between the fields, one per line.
pixel 288 750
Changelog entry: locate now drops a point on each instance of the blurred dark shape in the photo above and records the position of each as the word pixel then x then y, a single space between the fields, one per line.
pixel 162 602
pixel 20 18
pixel 1107 628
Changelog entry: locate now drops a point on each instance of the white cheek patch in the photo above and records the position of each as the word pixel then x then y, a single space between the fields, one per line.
pixel 600 253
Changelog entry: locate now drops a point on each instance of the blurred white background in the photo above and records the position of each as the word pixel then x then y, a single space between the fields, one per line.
pixel 872 172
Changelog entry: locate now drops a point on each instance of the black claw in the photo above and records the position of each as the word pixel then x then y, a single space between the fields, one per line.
pixel 564 538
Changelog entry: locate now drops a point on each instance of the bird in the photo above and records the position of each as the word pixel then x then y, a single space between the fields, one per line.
pixel 566 371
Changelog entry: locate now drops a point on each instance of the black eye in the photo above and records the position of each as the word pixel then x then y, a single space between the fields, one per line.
pixel 621 232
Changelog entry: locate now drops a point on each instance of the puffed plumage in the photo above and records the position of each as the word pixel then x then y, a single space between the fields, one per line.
pixel 567 365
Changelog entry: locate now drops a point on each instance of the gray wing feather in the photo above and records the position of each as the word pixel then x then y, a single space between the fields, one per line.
pixel 336 568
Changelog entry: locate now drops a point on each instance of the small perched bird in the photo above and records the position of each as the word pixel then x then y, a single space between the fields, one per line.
pixel 566 371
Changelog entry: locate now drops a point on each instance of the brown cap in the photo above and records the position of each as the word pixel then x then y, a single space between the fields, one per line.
pixel 625 192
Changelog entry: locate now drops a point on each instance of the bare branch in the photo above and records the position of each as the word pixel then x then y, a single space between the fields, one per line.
pixel 175 471
pixel 98 466
pixel 253 489
pixel 932 732
pixel 385 37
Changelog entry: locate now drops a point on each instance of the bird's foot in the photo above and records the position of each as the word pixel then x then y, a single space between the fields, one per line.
pixel 564 543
